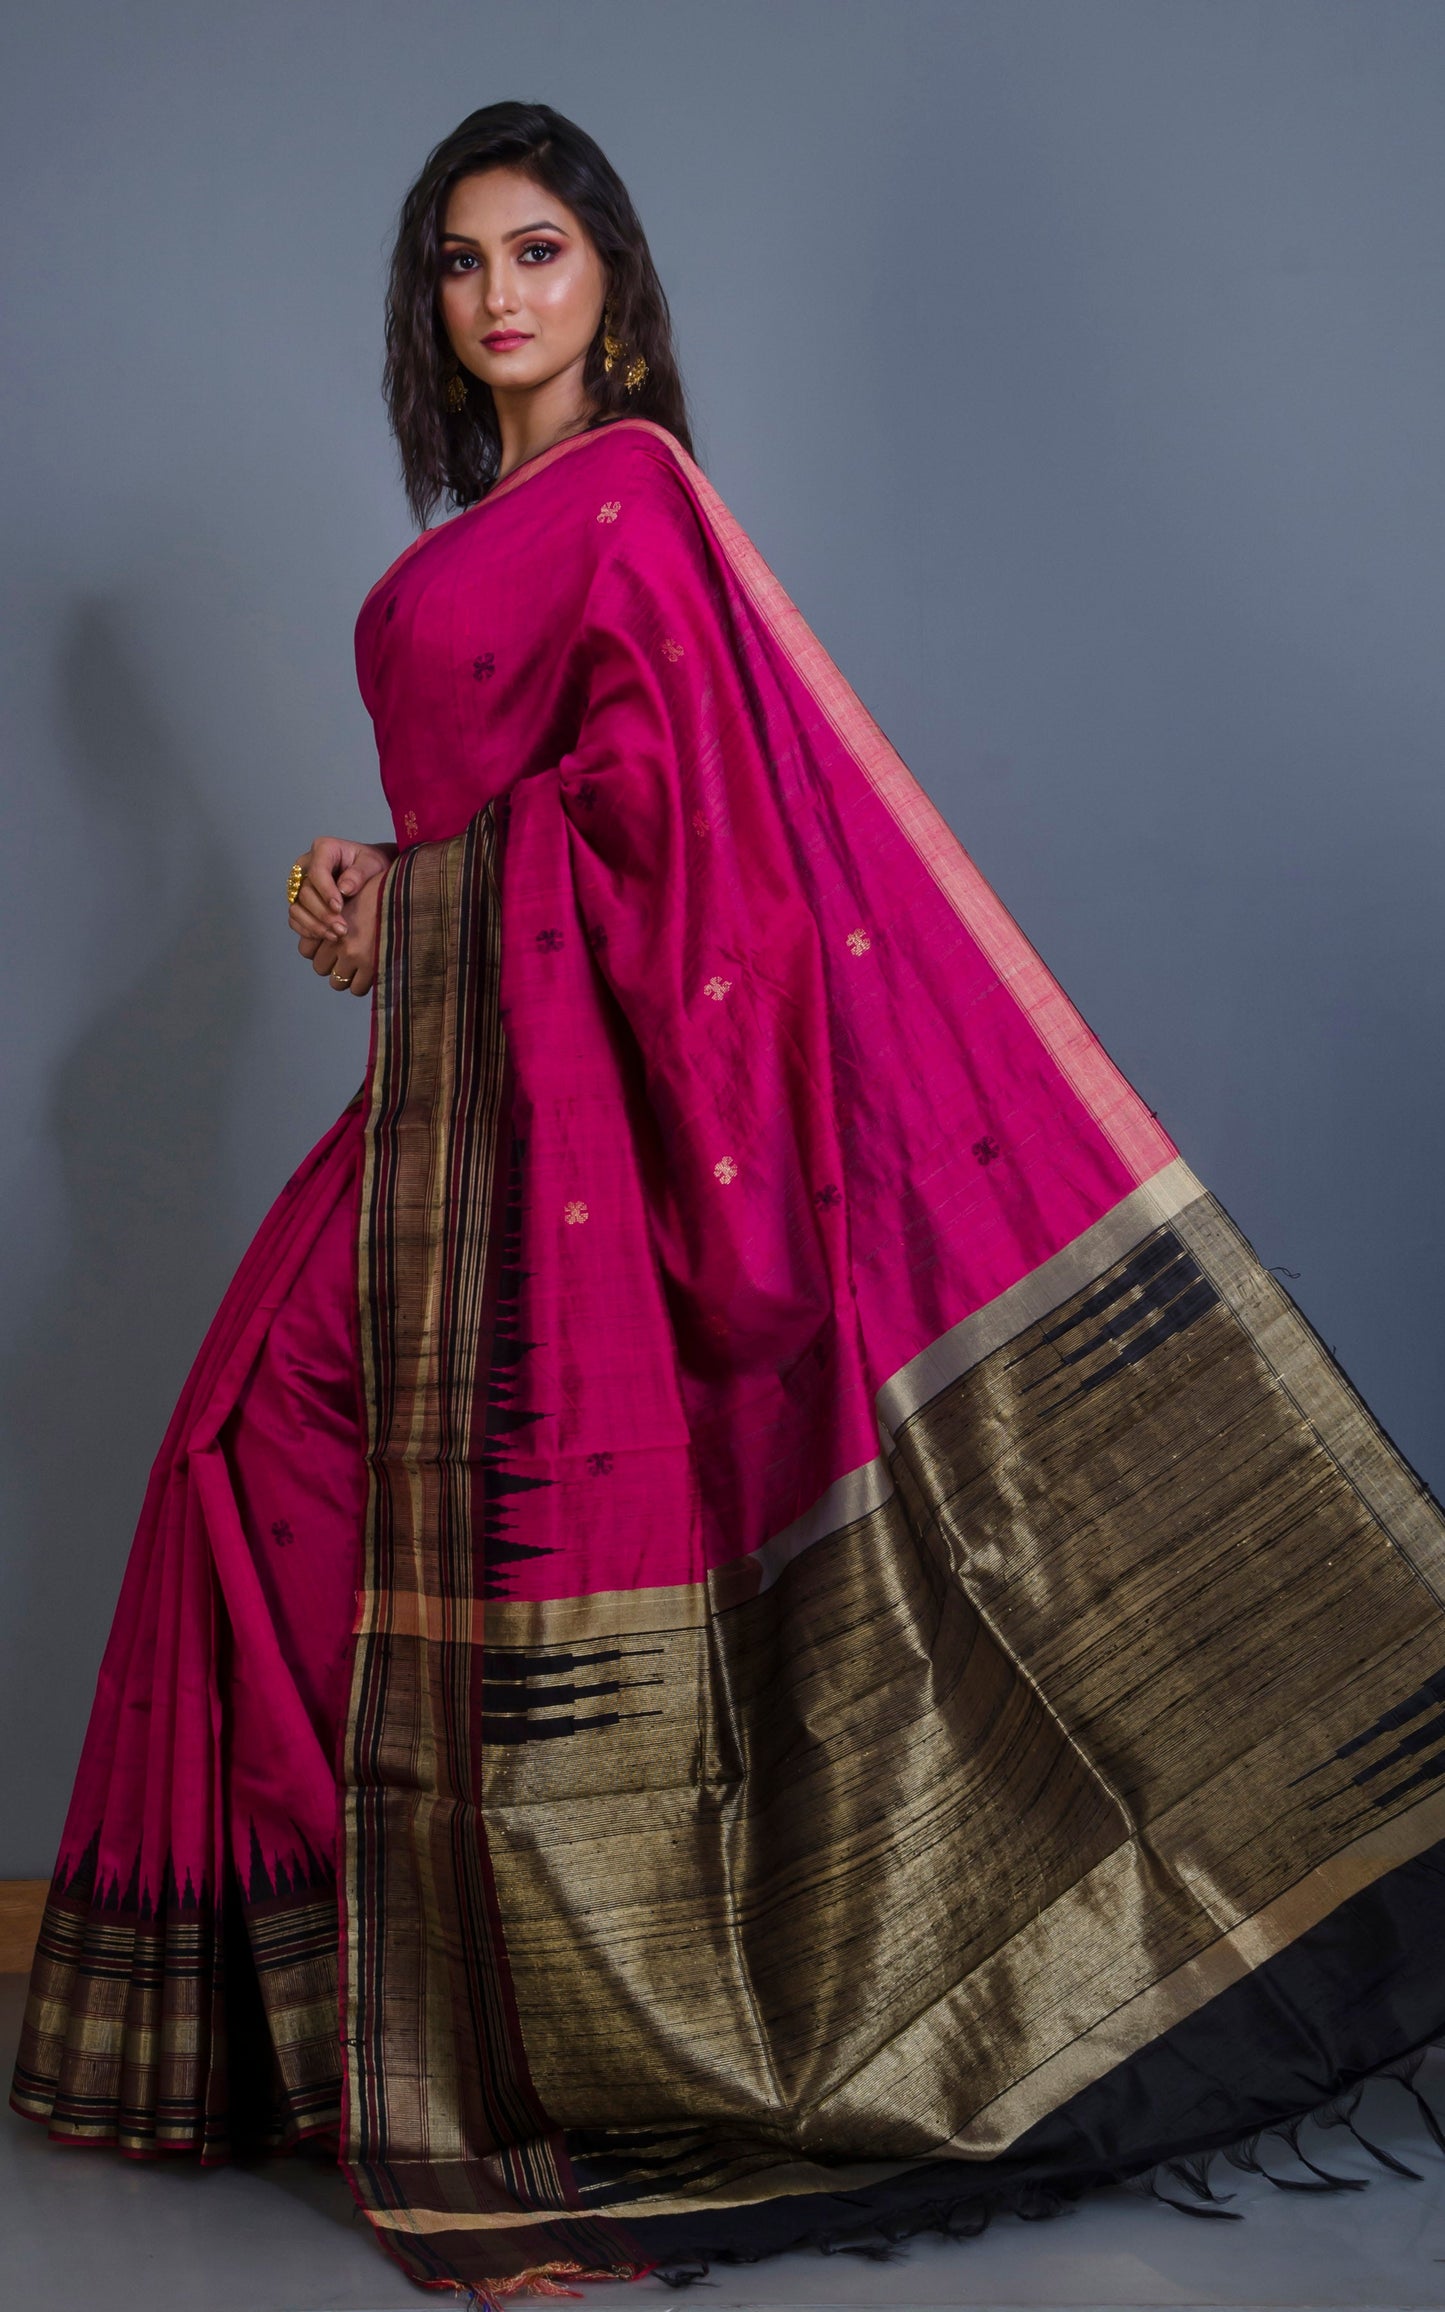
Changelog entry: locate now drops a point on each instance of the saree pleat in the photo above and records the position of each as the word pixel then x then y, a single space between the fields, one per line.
pixel 184 1988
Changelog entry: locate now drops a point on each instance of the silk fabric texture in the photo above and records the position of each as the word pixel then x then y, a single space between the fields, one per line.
pixel 878 1623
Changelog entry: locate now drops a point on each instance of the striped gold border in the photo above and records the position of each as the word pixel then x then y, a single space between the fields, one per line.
pixel 1087 2058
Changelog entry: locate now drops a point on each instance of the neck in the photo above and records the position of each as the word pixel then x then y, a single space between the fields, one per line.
pixel 531 421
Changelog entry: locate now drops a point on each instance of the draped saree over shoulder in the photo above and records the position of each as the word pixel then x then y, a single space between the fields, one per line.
pixel 889 1666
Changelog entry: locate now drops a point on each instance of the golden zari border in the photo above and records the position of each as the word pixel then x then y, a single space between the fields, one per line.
pixel 1156 2010
pixel 1060 2076
pixel 1379 1474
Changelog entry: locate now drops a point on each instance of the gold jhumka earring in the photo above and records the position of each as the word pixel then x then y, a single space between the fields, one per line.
pixel 614 350
pixel 456 391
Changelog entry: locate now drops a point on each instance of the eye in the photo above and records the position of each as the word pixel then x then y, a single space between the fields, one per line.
pixel 458 261
pixel 538 252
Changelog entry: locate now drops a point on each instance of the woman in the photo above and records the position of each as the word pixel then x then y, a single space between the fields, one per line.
pixel 824 1647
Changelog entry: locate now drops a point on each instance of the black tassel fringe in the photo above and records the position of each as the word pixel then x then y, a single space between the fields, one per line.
pixel 1195 2174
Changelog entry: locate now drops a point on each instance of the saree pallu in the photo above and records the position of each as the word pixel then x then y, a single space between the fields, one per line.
pixel 891 1671
pixel 893 1667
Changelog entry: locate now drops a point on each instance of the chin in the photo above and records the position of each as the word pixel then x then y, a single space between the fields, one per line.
pixel 516 375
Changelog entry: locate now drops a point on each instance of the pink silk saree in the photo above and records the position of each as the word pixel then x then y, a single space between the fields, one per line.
pixel 884 1670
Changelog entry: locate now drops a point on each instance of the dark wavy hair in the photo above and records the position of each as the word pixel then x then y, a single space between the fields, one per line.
pixel 454 454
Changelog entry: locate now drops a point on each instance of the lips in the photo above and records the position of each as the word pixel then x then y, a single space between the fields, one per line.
pixel 505 340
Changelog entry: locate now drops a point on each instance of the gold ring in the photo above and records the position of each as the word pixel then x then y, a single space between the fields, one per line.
pixel 294 882
pixel 341 982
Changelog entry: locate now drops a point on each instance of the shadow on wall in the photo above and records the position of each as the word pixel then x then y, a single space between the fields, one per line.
pixel 136 1121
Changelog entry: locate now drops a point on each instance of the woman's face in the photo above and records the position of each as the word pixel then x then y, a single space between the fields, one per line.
pixel 522 287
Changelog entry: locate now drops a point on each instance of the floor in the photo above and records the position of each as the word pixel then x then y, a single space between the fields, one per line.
pixel 87 2230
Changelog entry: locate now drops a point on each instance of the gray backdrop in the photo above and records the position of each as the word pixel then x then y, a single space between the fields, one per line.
pixel 1077 364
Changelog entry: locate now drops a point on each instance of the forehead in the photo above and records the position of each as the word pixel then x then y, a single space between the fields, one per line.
pixel 487 206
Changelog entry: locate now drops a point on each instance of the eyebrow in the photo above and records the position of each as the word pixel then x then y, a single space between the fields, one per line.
pixel 543 225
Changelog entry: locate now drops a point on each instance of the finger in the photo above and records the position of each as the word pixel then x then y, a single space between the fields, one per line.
pixel 331 928
pixel 324 957
pixel 368 861
pixel 345 963
pixel 361 981
pixel 322 860
pixel 307 945
pixel 310 912
pixel 351 960
pixel 315 928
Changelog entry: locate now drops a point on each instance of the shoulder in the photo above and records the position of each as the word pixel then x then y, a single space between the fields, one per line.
pixel 626 471
pixel 649 527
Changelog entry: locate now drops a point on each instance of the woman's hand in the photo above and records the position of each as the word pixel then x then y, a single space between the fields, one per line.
pixel 349 962
pixel 333 871
pixel 334 912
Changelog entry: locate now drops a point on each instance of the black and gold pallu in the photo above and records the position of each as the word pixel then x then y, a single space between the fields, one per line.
pixel 1074 1799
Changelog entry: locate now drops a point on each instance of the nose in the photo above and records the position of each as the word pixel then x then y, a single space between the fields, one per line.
pixel 501 294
